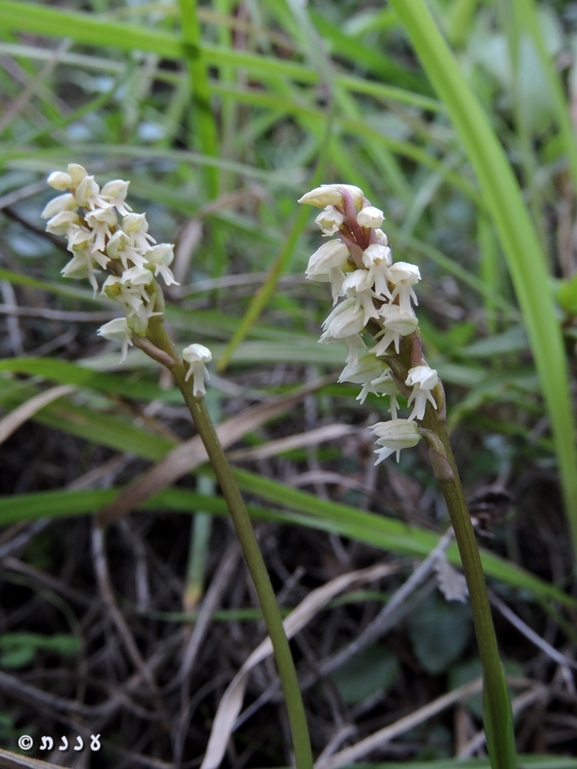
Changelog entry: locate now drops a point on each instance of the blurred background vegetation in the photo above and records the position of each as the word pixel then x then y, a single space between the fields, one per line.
pixel 221 115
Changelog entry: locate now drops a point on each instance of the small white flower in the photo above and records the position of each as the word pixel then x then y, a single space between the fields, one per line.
pixel 359 285
pixel 327 265
pixel 161 257
pixel 404 276
pixel 331 195
pixel 79 268
pixel 377 259
pixel 137 276
pixel 117 331
pixel 329 255
pixel 100 221
pixel 61 203
pixel 114 194
pixel 369 216
pixel 136 227
pixel 58 180
pixel 345 320
pixel 63 223
pixel 329 220
pixel 132 297
pixel 76 173
pixel 79 237
pixel 366 369
pixel 396 323
pixel 88 194
pixel 84 264
pixel 422 379
pixel 197 355
pixel 120 247
pixel 395 435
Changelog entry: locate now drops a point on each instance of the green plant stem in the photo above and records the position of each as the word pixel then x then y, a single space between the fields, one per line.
pixel 497 706
pixel 159 337
pixel 257 568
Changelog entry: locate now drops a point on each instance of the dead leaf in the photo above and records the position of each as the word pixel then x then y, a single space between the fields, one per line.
pixel 26 410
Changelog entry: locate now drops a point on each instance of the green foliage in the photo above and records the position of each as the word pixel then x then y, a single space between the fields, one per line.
pixel 439 631
pixel 370 672
pixel 19 649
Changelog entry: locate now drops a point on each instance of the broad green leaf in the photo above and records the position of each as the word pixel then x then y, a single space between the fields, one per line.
pixel 439 631
pixel 371 671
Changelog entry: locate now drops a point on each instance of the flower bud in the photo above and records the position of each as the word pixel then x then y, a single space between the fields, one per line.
pixel 331 195
pixel 370 217
pixel 77 173
pixel 58 180
pixel 330 220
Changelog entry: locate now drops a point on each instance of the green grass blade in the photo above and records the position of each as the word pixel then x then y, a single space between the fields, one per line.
pixel 520 245
pixel 304 510
pixel 527 11
pixel 87 28
pixel 198 79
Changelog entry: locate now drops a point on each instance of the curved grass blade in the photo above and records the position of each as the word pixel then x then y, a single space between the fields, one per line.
pixel 520 245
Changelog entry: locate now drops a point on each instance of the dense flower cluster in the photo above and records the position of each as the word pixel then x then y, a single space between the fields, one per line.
pixel 103 233
pixel 359 268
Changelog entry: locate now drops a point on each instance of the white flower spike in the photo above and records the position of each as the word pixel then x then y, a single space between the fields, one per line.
pixel 379 298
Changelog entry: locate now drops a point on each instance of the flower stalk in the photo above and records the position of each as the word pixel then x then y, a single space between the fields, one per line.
pixel 99 241
pixel 377 322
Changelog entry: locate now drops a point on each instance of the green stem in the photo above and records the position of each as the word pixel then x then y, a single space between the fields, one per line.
pixel 257 568
pixel 296 713
pixel 498 717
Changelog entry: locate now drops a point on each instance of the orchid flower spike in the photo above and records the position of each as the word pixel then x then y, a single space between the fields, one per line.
pixel 378 298
pixel 88 217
